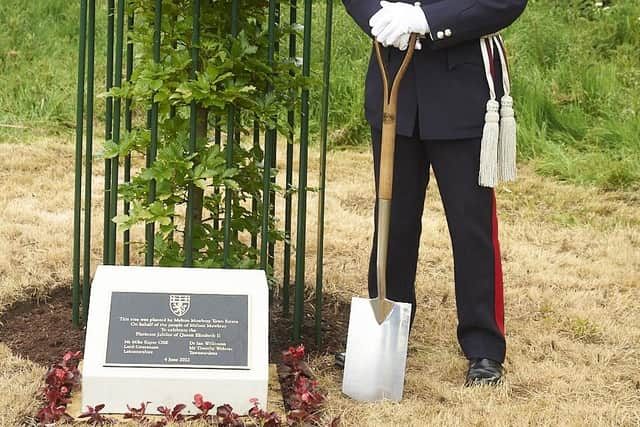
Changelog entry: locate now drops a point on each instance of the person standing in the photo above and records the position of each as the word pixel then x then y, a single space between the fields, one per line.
pixel 454 115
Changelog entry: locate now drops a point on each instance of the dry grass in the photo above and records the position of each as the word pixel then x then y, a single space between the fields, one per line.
pixel 19 381
pixel 572 291
pixel 36 209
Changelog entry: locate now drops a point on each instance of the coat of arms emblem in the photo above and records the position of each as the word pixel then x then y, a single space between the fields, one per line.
pixel 179 304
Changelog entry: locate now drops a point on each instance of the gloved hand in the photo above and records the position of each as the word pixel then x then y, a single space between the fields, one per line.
pixel 396 20
pixel 402 42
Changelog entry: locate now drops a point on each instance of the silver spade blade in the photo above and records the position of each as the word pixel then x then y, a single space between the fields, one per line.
pixel 376 355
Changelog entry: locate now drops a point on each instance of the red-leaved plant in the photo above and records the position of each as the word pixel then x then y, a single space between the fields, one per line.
pixel 59 381
pixel 138 414
pixel 204 406
pixel 262 417
pixel 94 417
pixel 293 356
pixel 173 415
pixel 303 397
pixel 228 418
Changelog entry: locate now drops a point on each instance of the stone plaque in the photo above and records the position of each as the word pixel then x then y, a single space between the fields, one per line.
pixel 161 335
pixel 167 329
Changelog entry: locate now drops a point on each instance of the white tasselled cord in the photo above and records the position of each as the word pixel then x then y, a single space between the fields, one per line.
pixel 488 175
pixel 507 141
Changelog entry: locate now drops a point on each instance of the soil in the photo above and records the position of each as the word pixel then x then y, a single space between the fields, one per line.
pixel 41 330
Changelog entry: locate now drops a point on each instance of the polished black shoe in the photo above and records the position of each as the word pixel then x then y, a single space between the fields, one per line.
pixel 483 372
pixel 339 359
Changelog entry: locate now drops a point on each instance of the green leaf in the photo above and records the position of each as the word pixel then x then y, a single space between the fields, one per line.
pixel 120 219
pixel 231 184
pixel 155 84
pixel 157 208
pixel 200 183
pixel 148 174
pixel 110 150
pixel 164 220
pixel 230 173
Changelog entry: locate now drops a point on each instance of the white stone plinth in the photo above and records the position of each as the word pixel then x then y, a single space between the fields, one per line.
pixel 117 386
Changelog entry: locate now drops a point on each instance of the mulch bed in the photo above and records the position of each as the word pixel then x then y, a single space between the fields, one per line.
pixel 41 330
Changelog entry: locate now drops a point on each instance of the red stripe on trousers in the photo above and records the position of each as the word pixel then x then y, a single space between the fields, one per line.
pixel 498 291
pixel 497 262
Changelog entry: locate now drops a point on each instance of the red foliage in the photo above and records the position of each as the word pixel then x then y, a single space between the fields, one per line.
pixel 51 413
pixel 59 381
pixel 94 416
pixel 303 397
pixel 228 418
pixel 72 358
pixel 204 407
pixel 173 415
pixel 138 414
pixel 293 356
pixel 302 393
pixel 262 417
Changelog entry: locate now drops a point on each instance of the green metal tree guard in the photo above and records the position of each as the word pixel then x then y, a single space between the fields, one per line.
pixel 120 60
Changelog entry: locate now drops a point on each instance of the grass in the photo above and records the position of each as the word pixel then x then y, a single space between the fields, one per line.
pixel 576 81
pixel 26 174
pixel 571 266
pixel 349 60
pixel 570 252
pixel 576 72
pixel 38 66
pixel 19 381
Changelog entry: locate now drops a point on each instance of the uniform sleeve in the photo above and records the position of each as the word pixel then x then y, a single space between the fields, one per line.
pixel 456 21
pixel 361 11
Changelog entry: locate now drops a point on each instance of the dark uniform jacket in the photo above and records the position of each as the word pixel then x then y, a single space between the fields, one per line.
pixel 445 87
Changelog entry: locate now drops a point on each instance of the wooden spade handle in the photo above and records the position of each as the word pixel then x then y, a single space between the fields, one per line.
pixel 390 106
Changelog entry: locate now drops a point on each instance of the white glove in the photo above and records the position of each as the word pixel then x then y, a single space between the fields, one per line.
pixel 402 42
pixel 394 20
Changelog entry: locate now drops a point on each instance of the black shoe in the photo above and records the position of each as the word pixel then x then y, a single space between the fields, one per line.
pixel 339 359
pixel 483 372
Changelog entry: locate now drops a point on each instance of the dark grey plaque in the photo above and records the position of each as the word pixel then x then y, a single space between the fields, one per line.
pixel 179 330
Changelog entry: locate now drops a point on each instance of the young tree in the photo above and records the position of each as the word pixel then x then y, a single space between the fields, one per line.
pixel 235 73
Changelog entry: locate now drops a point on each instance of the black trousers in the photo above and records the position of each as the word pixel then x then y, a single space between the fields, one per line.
pixel 471 217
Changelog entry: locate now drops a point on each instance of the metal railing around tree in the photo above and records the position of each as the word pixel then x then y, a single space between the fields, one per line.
pixel 121 63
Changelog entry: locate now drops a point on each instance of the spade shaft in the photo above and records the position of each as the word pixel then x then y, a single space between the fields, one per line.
pixel 375 361
pixel 381 305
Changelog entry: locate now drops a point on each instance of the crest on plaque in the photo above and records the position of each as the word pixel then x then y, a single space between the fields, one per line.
pixel 179 304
